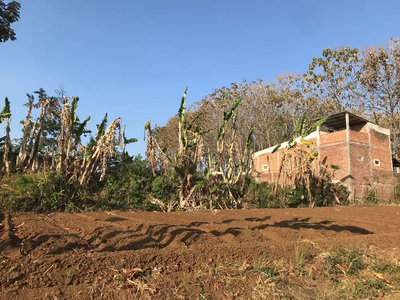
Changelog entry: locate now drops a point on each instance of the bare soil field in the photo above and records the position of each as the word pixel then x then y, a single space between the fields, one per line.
pixel 232 254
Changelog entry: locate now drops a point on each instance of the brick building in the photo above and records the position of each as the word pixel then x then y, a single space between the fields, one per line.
pixel 360 148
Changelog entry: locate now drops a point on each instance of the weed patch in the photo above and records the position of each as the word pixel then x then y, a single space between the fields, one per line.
pixel 356 273
pixel 343 262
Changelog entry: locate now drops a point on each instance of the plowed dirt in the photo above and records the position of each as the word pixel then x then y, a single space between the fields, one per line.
pixel 193 255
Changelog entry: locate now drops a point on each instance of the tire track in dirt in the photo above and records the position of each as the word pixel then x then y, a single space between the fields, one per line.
pixel 125 231
pixel 89 228
pixel 41 234
pixel 117 233
pixel 106 235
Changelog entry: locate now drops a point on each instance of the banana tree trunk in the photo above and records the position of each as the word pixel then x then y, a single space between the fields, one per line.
pixel 35 149
pixel 279 174
pixel 27 130
pixel 6 162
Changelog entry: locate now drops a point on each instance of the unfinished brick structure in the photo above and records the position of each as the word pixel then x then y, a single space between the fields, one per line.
pixel 358 147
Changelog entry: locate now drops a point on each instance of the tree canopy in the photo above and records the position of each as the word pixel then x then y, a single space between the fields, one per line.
pixel 9 13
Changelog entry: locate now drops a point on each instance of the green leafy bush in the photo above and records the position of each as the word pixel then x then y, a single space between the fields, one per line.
pixel 372 198
pixel 261 195
pixel 44 191
pixel 164 189
pixel 324 193
pixel 127 184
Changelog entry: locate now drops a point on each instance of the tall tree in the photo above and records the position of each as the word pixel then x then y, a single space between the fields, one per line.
pixel 334 79
pixel 9 13
pixel 381 79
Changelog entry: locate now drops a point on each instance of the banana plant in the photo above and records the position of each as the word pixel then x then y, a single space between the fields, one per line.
pixel 301 131
pixel 233 165
pixel 23 153
pixel 185 162
pixel 103 148
pixel 101 128
pixel 48 107
pixel 127 141
pixel 150 148
pixel 70 133
pixel 5 116
pixel 77 128
pixel 89 148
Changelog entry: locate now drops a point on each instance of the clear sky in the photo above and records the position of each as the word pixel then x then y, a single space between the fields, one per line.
pixel 133 59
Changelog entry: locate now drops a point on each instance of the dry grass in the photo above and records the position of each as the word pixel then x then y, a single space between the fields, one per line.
pixel 357 273
pixel 340 273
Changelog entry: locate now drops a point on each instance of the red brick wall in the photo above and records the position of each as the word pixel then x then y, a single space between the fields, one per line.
pixel 361 190
pixel 380 150
pixel 335 155
pixel 359 137
pixel 360 170
pixel 333 137
pixel 384 191
pixel 269 159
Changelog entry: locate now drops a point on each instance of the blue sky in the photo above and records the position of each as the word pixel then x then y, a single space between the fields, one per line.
pixel 133 59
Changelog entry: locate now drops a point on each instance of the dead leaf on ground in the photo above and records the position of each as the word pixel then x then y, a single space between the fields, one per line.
pixel 381 277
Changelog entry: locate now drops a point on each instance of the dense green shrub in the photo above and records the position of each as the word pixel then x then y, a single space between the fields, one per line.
pixel 127 184
pixel 42 191
pixel 261 195
pixel 164 189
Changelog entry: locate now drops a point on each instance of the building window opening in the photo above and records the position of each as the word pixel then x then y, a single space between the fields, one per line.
pixel 360 158
pixel 377 162
pixel 265 167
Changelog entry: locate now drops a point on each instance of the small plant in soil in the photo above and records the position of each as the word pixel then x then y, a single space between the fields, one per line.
pixel 302 256
pixel 269 271
pixel 343 262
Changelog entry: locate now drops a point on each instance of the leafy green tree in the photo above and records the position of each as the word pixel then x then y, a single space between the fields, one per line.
pixel 9 13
